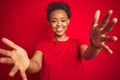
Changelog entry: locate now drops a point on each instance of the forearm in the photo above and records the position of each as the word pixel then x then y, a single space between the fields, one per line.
pixel 90 52
pixel 34 67
pixel 35 62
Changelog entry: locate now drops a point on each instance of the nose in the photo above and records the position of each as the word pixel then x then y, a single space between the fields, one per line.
pixel 59 23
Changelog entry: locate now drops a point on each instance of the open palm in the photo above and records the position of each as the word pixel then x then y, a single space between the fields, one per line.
pixel 18 57
pixel 98 31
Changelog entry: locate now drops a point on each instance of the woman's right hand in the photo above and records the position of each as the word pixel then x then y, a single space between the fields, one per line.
pixel 18 57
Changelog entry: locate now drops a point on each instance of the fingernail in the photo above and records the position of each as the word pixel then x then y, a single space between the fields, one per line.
pixel 115 38
pixel 111 52
pixel 115 20
pixel 111 11
pixel 25 79
pixel 3 38
pixel 98 11
pixel 11 74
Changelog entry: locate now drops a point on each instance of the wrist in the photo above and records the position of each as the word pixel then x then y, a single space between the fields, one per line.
pixel 28 68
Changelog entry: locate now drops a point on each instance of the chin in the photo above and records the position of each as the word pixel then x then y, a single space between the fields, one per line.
pixel 59 34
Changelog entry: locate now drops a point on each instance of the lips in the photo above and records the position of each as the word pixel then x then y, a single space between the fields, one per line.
pixel 59 29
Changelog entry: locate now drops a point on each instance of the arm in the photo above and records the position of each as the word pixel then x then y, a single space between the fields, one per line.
pixel 19 59
pixel 98 36
pixel 35 62
pixel 89 52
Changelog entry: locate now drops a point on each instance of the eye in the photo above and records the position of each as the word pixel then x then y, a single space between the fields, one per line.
pixel 63 20
pixel 53 21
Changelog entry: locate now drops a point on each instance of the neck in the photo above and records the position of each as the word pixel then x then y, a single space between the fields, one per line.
pixel 61 38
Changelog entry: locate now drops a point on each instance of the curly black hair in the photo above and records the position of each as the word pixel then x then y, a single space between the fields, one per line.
pixel 58 5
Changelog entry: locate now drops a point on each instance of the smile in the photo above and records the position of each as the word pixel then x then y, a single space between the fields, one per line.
pixel 59 29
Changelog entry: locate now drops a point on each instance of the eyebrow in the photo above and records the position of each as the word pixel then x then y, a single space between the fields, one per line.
pixel 60 18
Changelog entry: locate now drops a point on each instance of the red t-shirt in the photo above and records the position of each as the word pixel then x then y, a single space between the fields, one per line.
pixel 61 60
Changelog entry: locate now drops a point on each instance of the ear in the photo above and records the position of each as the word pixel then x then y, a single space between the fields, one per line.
pixel 68 21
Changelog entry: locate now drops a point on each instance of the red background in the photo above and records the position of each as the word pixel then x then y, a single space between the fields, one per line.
pixel 24 22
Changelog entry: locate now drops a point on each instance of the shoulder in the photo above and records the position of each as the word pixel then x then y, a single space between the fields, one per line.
pixel 42 43
pixel 78 41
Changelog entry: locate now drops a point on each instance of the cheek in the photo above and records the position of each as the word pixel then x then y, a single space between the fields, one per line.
pixel 53 25
pixel 66 25
pixel 66 28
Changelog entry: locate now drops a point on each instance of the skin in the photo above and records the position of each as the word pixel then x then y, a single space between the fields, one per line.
pixel 59 23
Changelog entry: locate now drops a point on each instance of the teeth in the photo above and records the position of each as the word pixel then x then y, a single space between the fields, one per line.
pixel 59 29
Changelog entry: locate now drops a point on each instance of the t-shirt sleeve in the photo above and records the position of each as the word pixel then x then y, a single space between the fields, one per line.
pixel 39 46
pixel 81 42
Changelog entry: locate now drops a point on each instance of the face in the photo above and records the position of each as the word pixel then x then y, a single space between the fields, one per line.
pixel 59 22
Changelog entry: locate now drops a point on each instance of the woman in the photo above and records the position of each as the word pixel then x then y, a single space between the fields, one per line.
pixel 60 58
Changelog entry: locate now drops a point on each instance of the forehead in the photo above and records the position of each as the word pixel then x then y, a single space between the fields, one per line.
pixel 58 14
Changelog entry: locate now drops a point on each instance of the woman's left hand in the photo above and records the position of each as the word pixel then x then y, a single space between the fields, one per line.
pixel 98 31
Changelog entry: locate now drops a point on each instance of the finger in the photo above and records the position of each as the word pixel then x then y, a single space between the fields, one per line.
pixel 7 60
pixel 5 52
pixel 96 18
pixel 106 48
pixel 9 43
pixel 109 26
pixel 109 39
pixel 106 19
pixel 13 71
pixel 23 75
